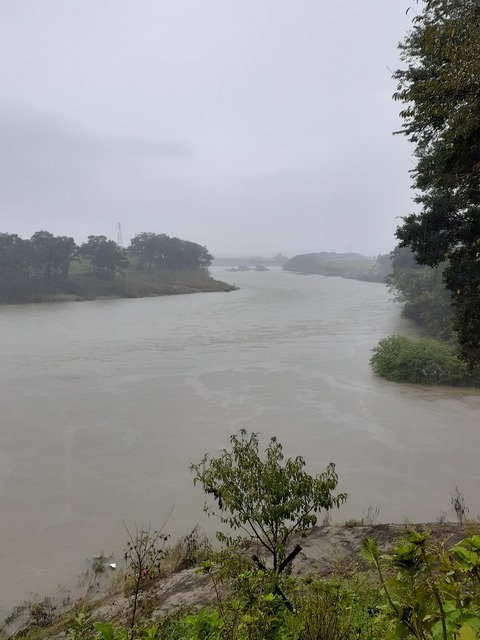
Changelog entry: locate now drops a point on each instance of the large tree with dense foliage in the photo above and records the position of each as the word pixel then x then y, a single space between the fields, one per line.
pixel 33 267
pixel 145 247
pixel 440 88
pixel 52 255
pixel 15 256
pixel 168 253
pixel 105 256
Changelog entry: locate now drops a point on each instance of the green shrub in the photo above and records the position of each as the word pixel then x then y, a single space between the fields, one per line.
pixel 424 361
pixel 269 498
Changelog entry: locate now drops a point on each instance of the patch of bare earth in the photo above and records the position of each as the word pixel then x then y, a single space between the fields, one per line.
pixel 325 549
pixel 332 547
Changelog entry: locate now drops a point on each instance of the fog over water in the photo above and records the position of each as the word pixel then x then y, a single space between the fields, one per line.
pixel 106 403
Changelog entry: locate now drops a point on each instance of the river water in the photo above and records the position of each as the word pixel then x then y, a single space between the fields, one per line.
pixel 104 405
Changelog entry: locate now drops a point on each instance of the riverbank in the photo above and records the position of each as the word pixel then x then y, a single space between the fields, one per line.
pixel 128 284
pixel 142 284
pixel 332 549
pixel 351 266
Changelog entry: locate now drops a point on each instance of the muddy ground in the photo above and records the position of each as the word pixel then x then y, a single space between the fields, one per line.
pixel 325 549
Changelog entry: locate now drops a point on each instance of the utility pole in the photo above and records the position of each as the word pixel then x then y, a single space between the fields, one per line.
pixel 119 235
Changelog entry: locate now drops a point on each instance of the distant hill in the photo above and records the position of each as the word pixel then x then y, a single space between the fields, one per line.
pixel 344 265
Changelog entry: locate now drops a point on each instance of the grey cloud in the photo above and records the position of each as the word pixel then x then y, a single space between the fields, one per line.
pixel 238 124
pixel 31 133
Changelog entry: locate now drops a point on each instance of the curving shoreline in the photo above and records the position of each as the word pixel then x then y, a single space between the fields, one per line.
pixel 130 284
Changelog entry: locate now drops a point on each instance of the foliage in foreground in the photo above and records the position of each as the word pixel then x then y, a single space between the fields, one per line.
pixel 424 590
pixel 429 591
pixel 425 361
pixel 268 499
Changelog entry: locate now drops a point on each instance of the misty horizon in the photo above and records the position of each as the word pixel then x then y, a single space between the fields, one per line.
pixel 248 128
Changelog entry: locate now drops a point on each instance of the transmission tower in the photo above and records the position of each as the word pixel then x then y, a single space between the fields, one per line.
pixel 119 235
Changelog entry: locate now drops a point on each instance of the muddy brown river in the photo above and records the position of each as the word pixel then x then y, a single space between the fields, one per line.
pixel 104 405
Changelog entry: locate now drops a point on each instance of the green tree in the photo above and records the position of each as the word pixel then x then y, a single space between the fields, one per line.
pixel 422 290
pixel 43 243
pixel 440 88
pixel 168 253
pixel 15 268
pixel 269 499
pixel 64 251
pixel 51 256
pixel 105 256
pixel 15 256
pixel 145 246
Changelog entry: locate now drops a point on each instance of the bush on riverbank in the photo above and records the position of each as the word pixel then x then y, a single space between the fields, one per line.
pixel 424 361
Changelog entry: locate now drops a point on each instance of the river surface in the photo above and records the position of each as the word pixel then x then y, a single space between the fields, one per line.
pixel 104 405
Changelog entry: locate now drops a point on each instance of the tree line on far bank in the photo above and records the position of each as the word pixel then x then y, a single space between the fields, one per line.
pixel 45 264
pixel 345 265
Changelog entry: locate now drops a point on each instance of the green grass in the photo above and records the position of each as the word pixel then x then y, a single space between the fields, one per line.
pixel 84 284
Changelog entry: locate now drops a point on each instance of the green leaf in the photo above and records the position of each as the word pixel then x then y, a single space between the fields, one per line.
pixel 449 605
pixel 370 550
pixel 466 632
pixel 466 556
pixel 268 497
pixel 107 631
pixel 475 541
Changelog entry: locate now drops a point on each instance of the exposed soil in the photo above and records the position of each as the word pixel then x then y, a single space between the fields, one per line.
pixel 325 549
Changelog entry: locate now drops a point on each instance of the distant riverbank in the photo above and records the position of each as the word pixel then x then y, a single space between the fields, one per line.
pixel 128 284
pixel 352 266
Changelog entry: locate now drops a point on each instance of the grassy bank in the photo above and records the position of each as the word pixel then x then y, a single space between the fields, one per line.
pixel 83 284
pixel 140 284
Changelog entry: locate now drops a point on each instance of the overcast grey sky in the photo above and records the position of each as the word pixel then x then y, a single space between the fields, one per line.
pixel 250 126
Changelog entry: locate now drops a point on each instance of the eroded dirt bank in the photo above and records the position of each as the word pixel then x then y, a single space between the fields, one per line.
pixel 326 549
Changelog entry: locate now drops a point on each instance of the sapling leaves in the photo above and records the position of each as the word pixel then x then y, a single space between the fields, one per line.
pixel 370 551
pixel 269 498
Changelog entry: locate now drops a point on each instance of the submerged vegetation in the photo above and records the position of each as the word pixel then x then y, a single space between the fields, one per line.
pixel 425 360
pixel 423 588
